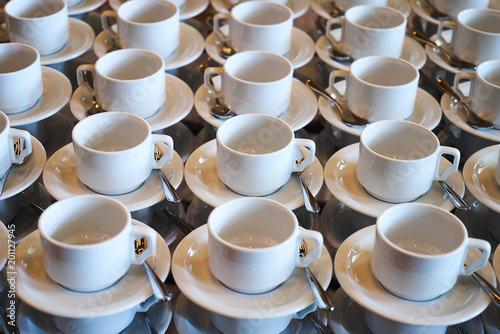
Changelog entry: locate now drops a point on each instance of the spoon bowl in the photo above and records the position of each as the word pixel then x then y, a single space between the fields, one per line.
pixel 95 108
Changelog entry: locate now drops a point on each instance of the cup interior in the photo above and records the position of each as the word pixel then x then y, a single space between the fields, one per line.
pixel 83 221
pixel 399 140
pixel 255 134
pixel 129 64
pixel 110 132
pixel 374 17
pixel 261 13
pixel 15 57
pixel 490 72
pixel 258 67
pixel 149 11
pixel 482 20
pixel 421 230
pixel 384 71
pixel 30 9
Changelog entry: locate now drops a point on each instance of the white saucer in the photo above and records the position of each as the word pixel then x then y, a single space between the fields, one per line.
pixel 412 52
pixel 35 288
pixel 302 110
pixel 202 180
pixel 301 49
pixel 479 177
pixel 491 319
pixel 427 111
pixel 178 104
pixel 85 6
pixel 190 9
pixel 436 57
pixel 22 176
pixel 341 180
pixel 320 7
pixel 349 318
pixel 190 47
pixel 298 7
pixel 81 37
pixel 422 12
pixel 4 241
pixel 56 93
pixel 193 277
pixel 353 271
pixel 496 262
pixel 60 179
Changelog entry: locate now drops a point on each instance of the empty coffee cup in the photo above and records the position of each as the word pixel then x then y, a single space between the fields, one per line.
pixel 114 152
pixel 256 154
pixel 8 155
pixel 253 244
pixel 88 242
pixel 419 251
pixel 399 160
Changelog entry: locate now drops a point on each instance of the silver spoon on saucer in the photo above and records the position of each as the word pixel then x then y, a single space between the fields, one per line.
pixel 334 53
pixel 95 108
pixel 219 110
pixel 455 198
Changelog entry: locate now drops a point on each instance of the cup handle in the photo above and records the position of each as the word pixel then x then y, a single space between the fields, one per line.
pixel 25 138
pixel 311 147
pixel 328 28
pixel 482 245
pixel 218 19
pixel 83 72
pixel 167 140
pixel 334 75
pixel 315 254
pixel 441 176
pixel 149 235
pixel 208 80
pixel 439 35
pixel 108 19
pixel 463 77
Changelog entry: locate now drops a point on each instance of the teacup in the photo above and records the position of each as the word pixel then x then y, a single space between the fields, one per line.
pixel 453 7
pixel 256 154
pixel 42 24
pixel 484 93
pixel 253 82
pixel 114 152
pixel 256 25
pixel 420 249
pixel 475 35
pixel 20 77
pixel 369 30
pixel 399 160
pixel 146 24
pixel 88 242
pixel 346 4
pixel 7 154
pixel 128 80
pixel 253 244
pixel 378 87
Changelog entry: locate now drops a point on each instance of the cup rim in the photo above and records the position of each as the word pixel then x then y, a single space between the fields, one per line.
pixel 27 67
pixel 485 64
pixel 161 2
pixel 263 4
pixel 460 19
pixel 416 73
pixel 17 17
pixel 372 7
pixel 4 119
pixel 42 221
pixel 427 207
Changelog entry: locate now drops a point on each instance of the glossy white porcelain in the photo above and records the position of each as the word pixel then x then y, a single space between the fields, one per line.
pixel 8 155
pixel 298 7
pixel 453 7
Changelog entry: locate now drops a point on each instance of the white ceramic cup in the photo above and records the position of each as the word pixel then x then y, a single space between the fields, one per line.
pixel 145 24
pixel 128 80
pixel 369 30
pixel 7 137
pixel 346 4
pixel 256 25
pixel 20 77
pixel 42 24
pixel 484 93
pixel 475 35
pixel 378 87
pixel 399 160
pixel 419 251
pixel 253 82
pixel 453 7
pixel 88 242
pixel 256 154
pixel 253 244
pixel 114 152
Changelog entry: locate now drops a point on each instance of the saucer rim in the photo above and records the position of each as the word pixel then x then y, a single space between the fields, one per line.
pixel 496 262
pixel 363 239
pixel 4 239
pixel 299 37
pixel 435 58
pixel 156 121
pixel 199 237
pixel 368 209
pixel 201 107
pixel 85 6
pixel 39 158
pixel 50 177
pixel 333 119
pixel 138 298
pixel 319 10
pixel 408 42
pixel 77 28
pixel 299 7
pixel 50 77
pixel 183 15
pixel 208 150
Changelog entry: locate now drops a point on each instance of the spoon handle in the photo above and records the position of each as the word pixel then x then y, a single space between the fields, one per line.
pixel 3 180
pixel 310 202
pixel 181 224
pixel 455 198
pixel 492 291
pixel 160 289
pixel 322 298
pixel 170 193
pixel 319 325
